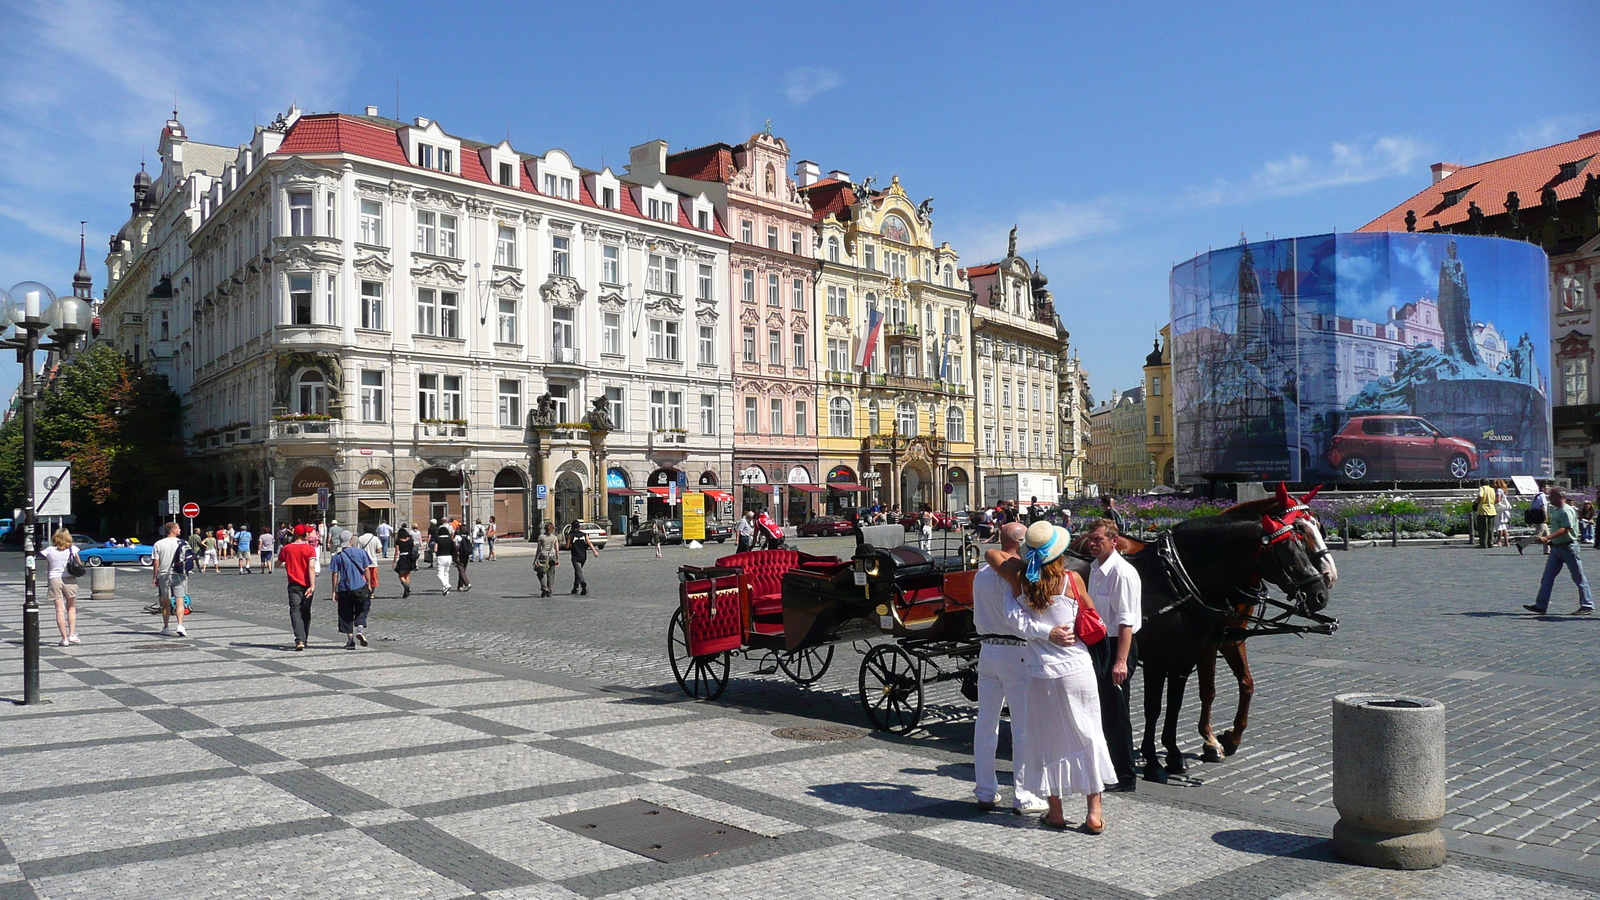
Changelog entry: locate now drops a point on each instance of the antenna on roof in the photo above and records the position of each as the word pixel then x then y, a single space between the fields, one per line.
pixel 397 98
pixel 174 104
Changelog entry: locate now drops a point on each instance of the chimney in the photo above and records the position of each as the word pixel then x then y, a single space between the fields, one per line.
pixel 649 158
pixel 1442 170
pixel 372 110
pixel 839 175
pixel 422 122
pixel 807 173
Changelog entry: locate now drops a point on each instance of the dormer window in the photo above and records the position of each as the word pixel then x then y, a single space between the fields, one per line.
pixel 1451 198
pixel 425 155
pixel 505 172
pixel 558 186
pixel 704 220
pixel 608 198
pixel 1572 170
pixel 446 160
pixel 662 210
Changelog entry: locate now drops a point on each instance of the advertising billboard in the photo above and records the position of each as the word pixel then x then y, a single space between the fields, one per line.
pixel 1362 357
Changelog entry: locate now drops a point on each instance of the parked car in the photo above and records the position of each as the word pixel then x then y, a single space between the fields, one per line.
pixel 963 519
pixel 597 535
pixel 718 530
pixel 1380 447
pixel 101 555
pixel 642 535
pixel 823 526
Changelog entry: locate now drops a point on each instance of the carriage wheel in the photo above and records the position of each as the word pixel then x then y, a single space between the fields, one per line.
pixel 891 689
pixel 806 666
pixel 701 677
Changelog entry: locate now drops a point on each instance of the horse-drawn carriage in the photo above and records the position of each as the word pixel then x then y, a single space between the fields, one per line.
pixel 793 608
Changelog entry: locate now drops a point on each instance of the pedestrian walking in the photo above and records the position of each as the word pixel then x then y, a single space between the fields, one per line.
pixel 352 590
pixel 1002 676
pixel 61 559
pixel 242 540
pixel 444 552
pixel 385 535
pixel 581 547
pixel 491 531
pixel 658 535
pixel 1502 506
pixel 300 563
pixel 1115 588
pixel 1562 545
pixel 170 567
pixel 464 545
pixel 405 558
pixel 264 547
pixel 747 531
pixel 546 557
pixel 313 537
pixel 210 558
pixel 480 540
pixel 225 542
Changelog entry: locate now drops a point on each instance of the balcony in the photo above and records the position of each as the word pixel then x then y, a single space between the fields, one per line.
pixel 901 334
pixel 669 438
pixel 566 356
pixel 305 429
pixel 439 430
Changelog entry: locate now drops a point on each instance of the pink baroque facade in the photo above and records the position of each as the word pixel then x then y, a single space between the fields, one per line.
pixel 772 279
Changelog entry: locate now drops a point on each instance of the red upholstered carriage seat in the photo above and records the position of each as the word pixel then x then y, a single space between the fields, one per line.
pixel 763 576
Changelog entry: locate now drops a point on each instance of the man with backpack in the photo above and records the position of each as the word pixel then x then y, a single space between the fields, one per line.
pixel 173 563
pixel 353 570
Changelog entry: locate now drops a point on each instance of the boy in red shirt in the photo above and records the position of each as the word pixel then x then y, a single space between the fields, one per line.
pixel 299 561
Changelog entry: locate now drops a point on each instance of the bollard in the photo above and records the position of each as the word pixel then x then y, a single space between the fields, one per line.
pixel 1388 780
pixel 102 583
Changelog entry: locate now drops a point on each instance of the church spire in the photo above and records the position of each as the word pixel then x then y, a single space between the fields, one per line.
pixel 82 281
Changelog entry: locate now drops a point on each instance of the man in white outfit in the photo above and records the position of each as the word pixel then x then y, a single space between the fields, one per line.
pixel 1002 673
pixel 1115 588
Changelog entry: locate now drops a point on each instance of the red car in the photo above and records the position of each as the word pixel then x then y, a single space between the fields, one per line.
pixel 1380 447
pixel 823 526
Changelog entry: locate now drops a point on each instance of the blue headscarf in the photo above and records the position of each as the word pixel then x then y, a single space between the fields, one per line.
pixel 1037 556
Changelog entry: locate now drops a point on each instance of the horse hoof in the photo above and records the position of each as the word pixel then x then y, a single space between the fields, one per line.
pixel 1153 772
pixel 1175 764
pixel 1211 754
pixel 1230 744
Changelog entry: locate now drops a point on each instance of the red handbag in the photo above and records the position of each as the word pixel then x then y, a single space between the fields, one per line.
pixel 1088 628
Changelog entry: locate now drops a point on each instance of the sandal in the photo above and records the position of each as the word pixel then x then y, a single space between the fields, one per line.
pixel 1094 829
pixel 1059 826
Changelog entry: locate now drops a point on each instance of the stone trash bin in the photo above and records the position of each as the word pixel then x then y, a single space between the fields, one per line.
pixel 102 583
pixel 1388 780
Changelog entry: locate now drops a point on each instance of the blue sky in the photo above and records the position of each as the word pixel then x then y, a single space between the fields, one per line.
pixel 1121 138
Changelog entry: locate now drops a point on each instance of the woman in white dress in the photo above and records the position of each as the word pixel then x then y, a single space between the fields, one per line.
pixel 1066 746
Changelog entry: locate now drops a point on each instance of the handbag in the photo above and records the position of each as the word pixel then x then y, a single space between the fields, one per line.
pixel 75 567
pixel 1087 627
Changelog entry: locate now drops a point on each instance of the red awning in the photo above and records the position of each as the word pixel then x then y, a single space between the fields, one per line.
pixel 659 491
pixel 623 492
pixel 719 496
pixel 849 487
pixel 808 488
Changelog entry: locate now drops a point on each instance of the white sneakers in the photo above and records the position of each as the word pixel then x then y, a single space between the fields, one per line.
pixel 73 639
pixel 166 632
pixel 180 632
pixel 64 643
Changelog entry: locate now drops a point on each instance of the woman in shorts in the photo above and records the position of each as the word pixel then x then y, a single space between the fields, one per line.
pixel 63 588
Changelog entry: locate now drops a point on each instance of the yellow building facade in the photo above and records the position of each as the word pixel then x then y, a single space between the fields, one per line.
pixel 1158 444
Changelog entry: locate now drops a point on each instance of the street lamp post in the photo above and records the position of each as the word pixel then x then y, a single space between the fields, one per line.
pixel 35 311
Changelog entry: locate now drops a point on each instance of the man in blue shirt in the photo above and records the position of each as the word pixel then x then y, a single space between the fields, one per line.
pixel 352 589
pixel 241 543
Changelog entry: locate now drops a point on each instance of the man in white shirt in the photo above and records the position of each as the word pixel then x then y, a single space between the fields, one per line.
pixel 1115 588
pixel 171 580
pixel 385 533
pixel 1002 673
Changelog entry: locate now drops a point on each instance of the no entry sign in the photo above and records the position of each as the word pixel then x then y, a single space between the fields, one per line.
pixel 191 510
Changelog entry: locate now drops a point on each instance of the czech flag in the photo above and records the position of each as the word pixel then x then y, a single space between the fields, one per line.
pixel 869 341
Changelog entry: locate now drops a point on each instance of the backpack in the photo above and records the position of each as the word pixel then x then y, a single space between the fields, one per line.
pixel 183 561
pixel 1533 515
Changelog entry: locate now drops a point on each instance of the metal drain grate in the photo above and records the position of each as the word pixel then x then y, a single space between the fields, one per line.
pixel 819 733
pixel 655 831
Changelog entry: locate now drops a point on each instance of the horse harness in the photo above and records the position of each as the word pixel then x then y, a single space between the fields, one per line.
pixel 1256 622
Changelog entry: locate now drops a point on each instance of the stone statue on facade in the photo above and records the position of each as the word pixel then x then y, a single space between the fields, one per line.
pixel 1011 243
pixel 1548 200
pixel 925 212
pixel 1591 190
pixel 599 417
pixel 1411 220
pixel 1475 217
pixel 1513 209
pixel 544 411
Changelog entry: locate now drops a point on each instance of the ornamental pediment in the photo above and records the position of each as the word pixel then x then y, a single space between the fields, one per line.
pixel 299 171
pixel 562 290
pixel 438 198
pixel 665 304
pixel 748 316
pixel 613 302
pixel 508 287
pixel 706 314
pixel 440 271
pixel 373 266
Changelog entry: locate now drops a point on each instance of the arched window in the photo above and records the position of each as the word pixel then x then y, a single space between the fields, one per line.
pixel 955 424
pixel 874 422
pixel 833 249
pixel 905 420
pixel 949 276
pixel 312 393
pixel 839 418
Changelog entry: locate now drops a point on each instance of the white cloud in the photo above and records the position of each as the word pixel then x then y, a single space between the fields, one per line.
pixel 1551 130
pixel 800 85
pixel 1038 229
pixel 1351 163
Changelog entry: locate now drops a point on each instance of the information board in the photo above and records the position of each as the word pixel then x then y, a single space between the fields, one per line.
pixel 694 516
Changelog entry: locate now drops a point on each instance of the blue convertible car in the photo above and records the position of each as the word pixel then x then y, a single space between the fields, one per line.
pixel 102 555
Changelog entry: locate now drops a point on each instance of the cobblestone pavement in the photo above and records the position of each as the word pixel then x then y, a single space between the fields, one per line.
pixel 222 765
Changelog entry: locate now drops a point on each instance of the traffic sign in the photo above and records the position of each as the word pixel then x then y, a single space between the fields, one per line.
pixel 191 510
pixel 541 491
pixel 52 489
pixel 322 499
pixel 172 502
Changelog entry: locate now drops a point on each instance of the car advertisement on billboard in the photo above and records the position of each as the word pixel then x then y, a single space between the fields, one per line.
pixel 1363 357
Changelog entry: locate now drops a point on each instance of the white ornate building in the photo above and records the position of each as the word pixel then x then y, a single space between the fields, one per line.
pixel 372 307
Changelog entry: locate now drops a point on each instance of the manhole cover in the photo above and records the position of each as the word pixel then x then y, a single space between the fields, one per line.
pixel 819 733
pixel 171 646
pixel 655 831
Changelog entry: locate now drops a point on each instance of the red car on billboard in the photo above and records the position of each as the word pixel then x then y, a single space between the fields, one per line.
pixel 1388 447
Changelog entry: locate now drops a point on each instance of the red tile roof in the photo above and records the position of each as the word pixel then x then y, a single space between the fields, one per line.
pixel 710 163
pixel 980 271
pixel 829 196
pixel 360 136
pixel 1487 184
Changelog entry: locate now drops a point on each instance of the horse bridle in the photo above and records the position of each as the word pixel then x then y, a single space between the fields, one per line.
pixel 1187 591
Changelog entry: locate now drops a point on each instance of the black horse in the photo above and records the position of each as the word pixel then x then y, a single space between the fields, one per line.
pixel 1190 601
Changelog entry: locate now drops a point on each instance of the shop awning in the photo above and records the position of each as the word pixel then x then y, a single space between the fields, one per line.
pixel 659 491
pixel 623 492
pixel 849 487
pixel 301 500
pixel 719 496
pixel 808 488
pixel 375 503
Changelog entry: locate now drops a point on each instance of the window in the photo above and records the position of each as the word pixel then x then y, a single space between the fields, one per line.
pixel 446 160
pixel 797 294
pixel 617 407
pixel 703 290
pixel 425 155
pixel 611 264
pixel 838 355
pixel 372 305
pixel 427 311
pixel 800 355
pixel 330 293
pixel 563 329
pixel 1155 387
pixel 708 345
pixel 332 220
pixel 777 416
pixel 508 407
pixel 703 217
pixel 949 276
pixel 988 439
pixel 988 390
pixel 870 257
pixel 1034 392
pixel 313 394
pixel 747 232
pixel 447 235
pixel 708 414
pixel 1007 445
pixel 669 276
pixel 833 249
pixel 749 334
pixel 560 255
pixel 608 198
pixel 839 418
pixel 448 311
pixel 801 424
pixel 794 242
pixel 1573 297
pixel 611 333
pixel 427 232
pixel 772 237
pixel 750 415
pixel 559 186
pixel 666 410
pixel 952 322
pixel 749 283
pixel 300 213
pixel 560 401
pixel 505 247
pixel 663 339
pixel 663 210
pixel 300 299
pixel 506 321
pixel 1575 375
pixel 450 405
pixel 371 395
pixel 838 302
pixel 774 294
pixel 371 222
pixel 1005 392
pixel 427 396
pixel 775 347
pixel 1036 443
pixel 955 424
pixel 1155 426
pixel 874 418
pixel 905 420
pixel 505 171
